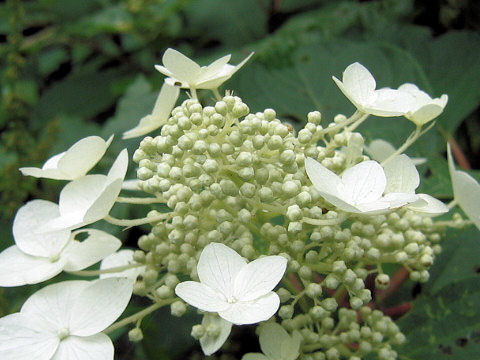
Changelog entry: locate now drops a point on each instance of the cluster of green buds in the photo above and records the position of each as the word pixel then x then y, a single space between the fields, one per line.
pixel 250 203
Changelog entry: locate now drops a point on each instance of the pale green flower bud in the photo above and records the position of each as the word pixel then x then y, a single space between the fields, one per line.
pixel 178 308
pixel 135 335
pixel 197 331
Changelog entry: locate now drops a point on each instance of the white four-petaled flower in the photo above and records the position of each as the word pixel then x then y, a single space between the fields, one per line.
pixel 466 191
pixel 186 73
pixel 37 257
pixel 425 108
pixel 65 321
pixel 73 163
pixel 358 85
pixel 90 198
pixel 161 111
pixel 359 189
pixel 240 293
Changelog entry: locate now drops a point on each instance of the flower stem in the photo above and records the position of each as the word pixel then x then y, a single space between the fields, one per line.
pixel 104 271
pixel 410 140
pixel 322 222
pixel 400 276
pixel 136 222
pixel 139 200
pixel 193 93
pixel 357 123
pixel 452 204
pixel 356 116
pixel 217 94
pixel 137 316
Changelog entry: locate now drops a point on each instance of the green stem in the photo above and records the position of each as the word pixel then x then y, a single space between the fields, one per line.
pixel 104 271
pixel 357 123
pixel 217 94
pixel 139 200
pixel 137 316
pixel 357 115
pixel 452 204
pixel 322 267
pixel 136 222
pixel 410 140
pixel 193 93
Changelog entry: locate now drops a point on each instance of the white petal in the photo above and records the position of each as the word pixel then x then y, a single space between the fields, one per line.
pixel 96 347
pixel 399 199
pixel 201 296
pixel 225 73
pixel 425 114
pixel 430 206
pixel 211 344
pixel 99 305
pixel 163 107
pixel 181 67
pixel 358 83
pixel 98 245
pixel 218 266
pixel 119 167
pixel 402 175
pixel 380 206
pixel 467 194
pixel 364 182
pixel 259 277
pixel 20 340
pixel 390 102
pixel 83 156
pixel 29 219
pixel 322 178
pixel 272 337
pixel 102 206
pixel 121 258
pixel 43 173
pixel 252 312
pixel 379 150
pixel 328 184
pixel 215 67
pixel 18 268
pixel 54 303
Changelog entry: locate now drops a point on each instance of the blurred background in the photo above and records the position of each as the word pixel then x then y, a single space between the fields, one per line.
pixel 71 68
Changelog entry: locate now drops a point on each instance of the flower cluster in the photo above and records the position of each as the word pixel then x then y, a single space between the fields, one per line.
pixel 253 207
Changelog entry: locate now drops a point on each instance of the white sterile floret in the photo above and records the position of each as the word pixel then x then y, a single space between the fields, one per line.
pixel 466 191
pixel 185 72
pixel 425 108
pixel 380 150
pixel 122 258
pixel 161 111
pixel 38 257
pixel 403 177
pixel 358 190
pixel 65 321
pixel 276 344
pixel 216 333
pixel 89 199
pixel 240 293
pixel 358 85
pixel 73 163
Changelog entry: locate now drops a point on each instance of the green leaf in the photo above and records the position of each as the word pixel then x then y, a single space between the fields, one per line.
pixel 445 318
pixel 231 22
pixel 82 94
